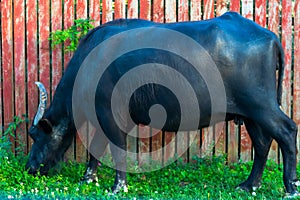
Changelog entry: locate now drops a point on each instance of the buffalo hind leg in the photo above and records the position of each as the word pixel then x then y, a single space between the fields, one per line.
pixel 282 129
pixel 261 143
pixel 96 150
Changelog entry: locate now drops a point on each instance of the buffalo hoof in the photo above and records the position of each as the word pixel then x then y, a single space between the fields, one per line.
pixel 247 187
pixel 89 176
pixel 292 195
pixel 121 186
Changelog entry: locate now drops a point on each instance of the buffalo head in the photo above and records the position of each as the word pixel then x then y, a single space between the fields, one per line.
pixel 50 136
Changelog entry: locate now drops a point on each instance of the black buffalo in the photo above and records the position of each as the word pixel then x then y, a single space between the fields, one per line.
pixel 247 57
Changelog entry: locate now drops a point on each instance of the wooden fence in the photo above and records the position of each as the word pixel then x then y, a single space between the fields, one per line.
pixel 26 57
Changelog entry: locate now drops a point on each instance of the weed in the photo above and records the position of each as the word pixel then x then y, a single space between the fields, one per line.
pixel 70 37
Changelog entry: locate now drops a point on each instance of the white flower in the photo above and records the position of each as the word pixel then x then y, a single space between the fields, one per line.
pixel 253 193
pixel 10 197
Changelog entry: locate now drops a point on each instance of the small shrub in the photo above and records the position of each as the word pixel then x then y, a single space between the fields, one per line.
pixel 71 36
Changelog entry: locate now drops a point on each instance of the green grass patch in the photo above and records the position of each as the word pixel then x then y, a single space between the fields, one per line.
pixel 207 178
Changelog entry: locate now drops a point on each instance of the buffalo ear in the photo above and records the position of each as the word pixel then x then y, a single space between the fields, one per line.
pixel 45 125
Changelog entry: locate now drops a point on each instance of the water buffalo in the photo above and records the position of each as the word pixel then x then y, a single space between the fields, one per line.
pixel 246 58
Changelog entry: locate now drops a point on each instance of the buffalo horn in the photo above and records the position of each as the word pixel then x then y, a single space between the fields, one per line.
pixel 42 104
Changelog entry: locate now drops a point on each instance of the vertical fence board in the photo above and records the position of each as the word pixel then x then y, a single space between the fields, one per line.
pixel 158 11
pixel 80 149
pixel 235 6
pixel 32 62
pixel 19 66
pixel 222 7
pixel 171 14
pixel 68 20
pixel 286 40
pixel 133 9
pixel 7 62
pixel 261 12
pixel 195 10
pixel 273 25
pixel 107 11
pixel 81 9
pixel 94 12
pixel 120 11
pixel 209 9
pixel 183 10
pixel 145 9
pixel 296 102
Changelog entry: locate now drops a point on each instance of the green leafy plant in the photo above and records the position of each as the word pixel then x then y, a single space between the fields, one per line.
pixel 9 132
pixel 70 37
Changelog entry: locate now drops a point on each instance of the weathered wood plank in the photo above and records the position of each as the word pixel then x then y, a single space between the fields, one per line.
pixel 68 20
pixel 209 9
pixel 94 12
pixel 261 12
pixel 7 62
pixel 32 62
pixel 19 68
pixel 196 10
pixel 145 9
pixel 81 151
pixel 273 25
pixel 296 102
pixel 222 7
pixel 133 11
pixel 158 11
pixel 171 14
pixel 120 9
pixel 235 6
pixel 107 11
pixel 81 9
pixel 183 10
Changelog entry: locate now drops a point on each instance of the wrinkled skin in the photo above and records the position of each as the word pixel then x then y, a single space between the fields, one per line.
pixel 247 57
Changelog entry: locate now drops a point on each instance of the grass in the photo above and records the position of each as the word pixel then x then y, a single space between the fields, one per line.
pixel 207 178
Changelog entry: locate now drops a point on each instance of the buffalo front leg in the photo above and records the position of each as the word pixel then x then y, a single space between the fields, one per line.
pixel 96 150
pixel 261 143
pixel 119 156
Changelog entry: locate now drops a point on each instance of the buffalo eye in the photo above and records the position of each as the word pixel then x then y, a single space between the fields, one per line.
pixel 45 125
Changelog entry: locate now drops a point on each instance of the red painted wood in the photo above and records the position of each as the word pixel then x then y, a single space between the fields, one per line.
pixel 81 9
pixel 235 6
pixel 94 12
pixel 68 17
pixel 144 144
pixel 195 10
pixel 273 25
pixel 221 7
pixel 44 45
pixel 133 9
pixel 261 12
pixel 233 132
pixel 81 152
pixel 296 102
pixel 145 9
pixel 32 62
pixel 220 134
pixel 287 45
pixel 107 11
pixel 170 15
pixel 247 8
pixel 158 11
pixel 169 146
pixel 273 20
pixel 7 62
pixel 56 18
pixel 120 6
pixel 183 10
pixel 208 10
pixel 19 66
pixel 156 145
